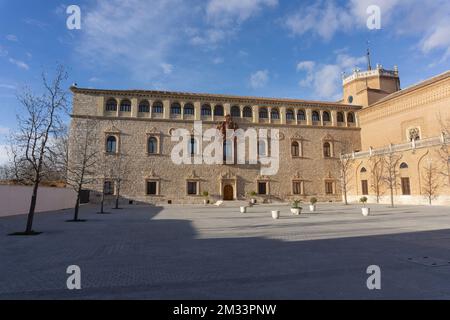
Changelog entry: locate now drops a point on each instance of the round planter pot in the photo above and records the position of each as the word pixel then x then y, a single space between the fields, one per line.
pixel 205 202
pixel 275 214
pixel 243 209
pixel 365 211
pixel 253 201
pixel 296 211
pixel 312 207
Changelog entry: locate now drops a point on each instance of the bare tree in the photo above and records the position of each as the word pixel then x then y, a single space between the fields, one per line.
pixel 444 150
pixel 119 170
pixel 38 122
pixel 391 164
pixel 431 181
pixel 81 160
pixel 345 165
pixel 376 175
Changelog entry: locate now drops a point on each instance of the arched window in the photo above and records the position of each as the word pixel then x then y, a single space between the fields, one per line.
pixel 247 112
pixel 236 111
pixel 301 116
pixel 262 148
pixel 340 117
pixel 363 170
pixel 350 117
pixel 111 105
pixel 327 150
pixel 111 144
pixel 218 110
pixel 290 115
pixel 295 149
pixel 326 116
pixel 275 114
pixel 125 106
pixel 227 150
pixel 189 109
pixel 152 145
pixel 206 110
pixel 263 114
pixel 404 165
pixel 144 106
pixel 315 116
pixel 158 107
pixel 193 146
pixel 175 108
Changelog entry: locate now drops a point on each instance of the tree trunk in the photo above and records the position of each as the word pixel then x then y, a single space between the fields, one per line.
pixel 77 207
pixel 117 196
pixel 32 208
pixel 392 197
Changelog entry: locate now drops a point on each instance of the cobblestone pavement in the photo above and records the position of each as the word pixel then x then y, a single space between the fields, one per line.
pixel 198 252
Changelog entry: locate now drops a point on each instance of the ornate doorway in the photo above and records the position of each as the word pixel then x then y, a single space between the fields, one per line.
pixel 228 193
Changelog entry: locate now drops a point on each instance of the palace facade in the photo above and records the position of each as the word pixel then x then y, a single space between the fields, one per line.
pixel 134 129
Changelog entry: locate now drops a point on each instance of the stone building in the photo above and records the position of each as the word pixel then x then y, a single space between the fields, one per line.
pixel 375 117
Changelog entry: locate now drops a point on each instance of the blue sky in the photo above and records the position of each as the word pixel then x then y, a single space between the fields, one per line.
pixel 270 48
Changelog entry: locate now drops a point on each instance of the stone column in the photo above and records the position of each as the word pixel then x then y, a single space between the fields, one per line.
pixel 134 107
pixel 197 110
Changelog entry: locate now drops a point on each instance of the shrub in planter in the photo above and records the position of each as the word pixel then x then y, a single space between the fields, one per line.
pixel 295 207
pixel 253 195
pixel 206 195
pixel 365 211
pixel 312 206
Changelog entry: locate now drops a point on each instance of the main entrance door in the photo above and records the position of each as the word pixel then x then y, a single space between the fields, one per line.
pixel 228 192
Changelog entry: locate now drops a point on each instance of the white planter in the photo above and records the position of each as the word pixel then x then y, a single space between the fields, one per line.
pixel 205 202
pixel 243 209
pixel 253 201
pixel 296 211
pixel 312 207
pixel 365 211
pixel 276 214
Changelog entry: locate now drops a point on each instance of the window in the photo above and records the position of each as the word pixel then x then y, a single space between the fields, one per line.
pixel 315 116
pixel 236 111
pixel 326 116
pixel 262 150
pixel 274 114
pixel 111 105
pixel 403 165
pixel 340 117
pixel 290 115
pixel 406 188
pixel 329 187
pixel 295 149
pixel 228 151
pixel 193 147
pixel 247 113
pixel 262 188
pixel 263 114
pixel 363 170
pixel 125 106
pixel 111 143
pixel 297 187
pixel 152 187
pixel 364 187
pixel 189 109
pixel 152 145
pixel 414 134
pixel 158 107
pixel 108 187
pixel 218 111
pixel 144 106
pixel 301 116
pixel 327 150
pixel 206 110
pixel 350 117
pixel 175 108
pixel 192 188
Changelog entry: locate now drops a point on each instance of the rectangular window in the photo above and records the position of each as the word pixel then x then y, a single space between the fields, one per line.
pixel 108 188
pixel 364 187
pixel 262 188
pixel 192 188
pixel 297 187
pixel 152 188
pixel 329 187
pixel 406 188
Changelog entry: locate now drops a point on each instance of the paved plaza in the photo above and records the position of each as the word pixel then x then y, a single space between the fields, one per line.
pixel 208 252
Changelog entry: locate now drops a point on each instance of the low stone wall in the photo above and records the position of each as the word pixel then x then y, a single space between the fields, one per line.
pixel 15 200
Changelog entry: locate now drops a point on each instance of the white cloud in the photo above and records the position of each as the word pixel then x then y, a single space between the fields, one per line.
pixel 3 52
pixel 94 79
pixel 218 60
pixel 326 79
pixel 259 79
pixel 19 64
pixel 4 130
pixel 167 68
pixel 12 37
pixel 7 86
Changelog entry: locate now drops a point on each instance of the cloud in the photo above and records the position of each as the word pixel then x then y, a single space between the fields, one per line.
pixel 3 52
pixel 19 64
pixel 167 68
pixel 4 130
pixel 326 79
pixel 259 79
pixel 35 23
pixel 218 60
pixel 12 37
pixel 7 86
